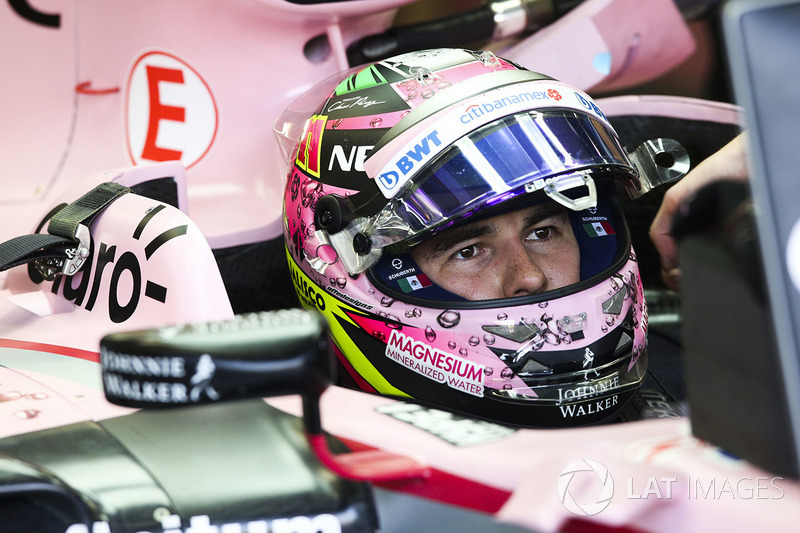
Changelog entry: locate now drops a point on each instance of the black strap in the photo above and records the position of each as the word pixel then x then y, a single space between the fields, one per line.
pixel 27 248
pixel 52 250
pixel 85 209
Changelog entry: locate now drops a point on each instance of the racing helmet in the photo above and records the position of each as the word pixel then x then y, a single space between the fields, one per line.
pixel 410 149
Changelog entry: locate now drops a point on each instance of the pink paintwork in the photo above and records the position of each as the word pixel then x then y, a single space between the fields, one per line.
pixel 527 465
pixel 138 278
pixel 32 401
pixel 75 98
pixel 608 45
pixel 522 466
pixel 672 106
pixel 250 58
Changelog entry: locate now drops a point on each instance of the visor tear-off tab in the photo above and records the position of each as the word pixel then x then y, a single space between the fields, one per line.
pixel 554 186
pixel 65 247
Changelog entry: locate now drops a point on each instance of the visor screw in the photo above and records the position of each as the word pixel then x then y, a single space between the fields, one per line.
pixel 328 214
pixel 361 244
pixel 326 218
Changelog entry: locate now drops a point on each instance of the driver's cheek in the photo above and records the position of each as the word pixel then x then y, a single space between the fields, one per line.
pixel 562 266
pixel 474 284
pixel 473 280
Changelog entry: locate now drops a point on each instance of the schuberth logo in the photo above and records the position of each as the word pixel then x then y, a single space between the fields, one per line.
pixel 170 110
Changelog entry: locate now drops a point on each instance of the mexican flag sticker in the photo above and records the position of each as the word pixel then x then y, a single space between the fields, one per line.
pixel 598 229
pixel 413 283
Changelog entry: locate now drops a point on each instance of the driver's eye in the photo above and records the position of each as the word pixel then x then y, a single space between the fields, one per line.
pixel 540 233
pixel 466 253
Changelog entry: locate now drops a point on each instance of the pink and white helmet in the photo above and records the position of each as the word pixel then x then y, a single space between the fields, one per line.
pixel 406 148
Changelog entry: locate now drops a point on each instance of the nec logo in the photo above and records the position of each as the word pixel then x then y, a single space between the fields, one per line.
pixel 347 162
pixel 391 179
pixel 170 111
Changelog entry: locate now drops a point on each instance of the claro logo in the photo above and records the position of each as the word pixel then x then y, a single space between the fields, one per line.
pixel 24 9
pixel 121 269
pixel 170 111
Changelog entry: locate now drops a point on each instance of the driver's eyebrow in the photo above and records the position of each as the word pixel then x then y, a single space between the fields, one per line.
pixel 452 237
pixel 543 212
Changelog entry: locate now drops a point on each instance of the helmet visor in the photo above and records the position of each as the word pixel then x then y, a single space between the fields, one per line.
pixel 493 163
pixel 514 155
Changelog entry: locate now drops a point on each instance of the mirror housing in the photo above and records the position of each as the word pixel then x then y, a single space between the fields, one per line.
pixel 270 353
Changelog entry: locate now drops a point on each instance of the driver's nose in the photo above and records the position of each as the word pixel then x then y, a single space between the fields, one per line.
pixel 521 275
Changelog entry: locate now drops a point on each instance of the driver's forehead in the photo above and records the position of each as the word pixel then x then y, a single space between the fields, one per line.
pixel 526 216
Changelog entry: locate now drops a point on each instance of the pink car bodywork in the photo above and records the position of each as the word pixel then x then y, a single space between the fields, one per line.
pixel 112 84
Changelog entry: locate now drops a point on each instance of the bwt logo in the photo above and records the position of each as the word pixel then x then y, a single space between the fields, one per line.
pixel 590 106
pixel 420 151
pixel 170 111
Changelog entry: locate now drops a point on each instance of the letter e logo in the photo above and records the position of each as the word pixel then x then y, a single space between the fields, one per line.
pixel 170 111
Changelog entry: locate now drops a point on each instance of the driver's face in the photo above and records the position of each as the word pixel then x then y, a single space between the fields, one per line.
pixel 528 251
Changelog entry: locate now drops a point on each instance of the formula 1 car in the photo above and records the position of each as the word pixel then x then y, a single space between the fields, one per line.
pixel 154 126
